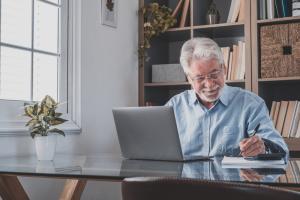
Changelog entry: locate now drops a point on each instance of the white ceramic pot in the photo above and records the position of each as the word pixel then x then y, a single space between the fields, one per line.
pixel 45 146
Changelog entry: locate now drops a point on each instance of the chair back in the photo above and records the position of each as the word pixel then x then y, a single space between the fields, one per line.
pixel 151 188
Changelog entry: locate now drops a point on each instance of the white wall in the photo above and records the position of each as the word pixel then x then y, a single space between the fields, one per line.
pixel 109 79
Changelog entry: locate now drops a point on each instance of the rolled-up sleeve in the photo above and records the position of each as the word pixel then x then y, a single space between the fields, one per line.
pixel 259 114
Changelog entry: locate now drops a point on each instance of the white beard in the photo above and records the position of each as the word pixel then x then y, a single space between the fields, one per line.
pixel 208 98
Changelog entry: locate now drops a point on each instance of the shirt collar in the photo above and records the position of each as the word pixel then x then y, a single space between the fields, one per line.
pixel 224 98
pixel 225 95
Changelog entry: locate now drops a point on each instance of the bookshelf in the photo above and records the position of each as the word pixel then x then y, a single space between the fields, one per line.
pixel 165 49
pixel 272 88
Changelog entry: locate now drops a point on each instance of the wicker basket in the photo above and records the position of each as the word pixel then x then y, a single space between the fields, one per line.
pixel 280 50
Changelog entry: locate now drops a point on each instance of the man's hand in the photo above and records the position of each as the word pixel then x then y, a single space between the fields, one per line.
pixel 252 146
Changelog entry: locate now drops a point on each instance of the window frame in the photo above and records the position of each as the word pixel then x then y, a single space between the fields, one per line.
pixel 15 126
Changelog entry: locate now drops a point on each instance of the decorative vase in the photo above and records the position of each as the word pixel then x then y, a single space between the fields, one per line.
pixel 212 15
pixel 45 146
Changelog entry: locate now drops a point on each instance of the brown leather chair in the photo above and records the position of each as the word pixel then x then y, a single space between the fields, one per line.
pixel 142 188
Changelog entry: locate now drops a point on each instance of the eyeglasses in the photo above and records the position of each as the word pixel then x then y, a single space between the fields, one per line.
pixel 214 75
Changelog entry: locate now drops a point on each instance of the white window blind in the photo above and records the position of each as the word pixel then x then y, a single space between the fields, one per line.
pixel 30 44
pixel 39 54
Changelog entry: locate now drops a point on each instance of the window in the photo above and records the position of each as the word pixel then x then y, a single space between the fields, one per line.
pixel 30 49
pixel 36 54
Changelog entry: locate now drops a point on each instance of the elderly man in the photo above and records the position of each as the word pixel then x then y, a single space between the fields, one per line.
pixel 216 119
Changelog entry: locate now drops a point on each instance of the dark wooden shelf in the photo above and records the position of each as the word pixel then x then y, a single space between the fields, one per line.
pixel 183 83
pixel 284 19
pixel 235 81
pixel 179 29
pixel 294 78
pixel 293 144
pixel 218 25
pixel 222 30
pixel 166 84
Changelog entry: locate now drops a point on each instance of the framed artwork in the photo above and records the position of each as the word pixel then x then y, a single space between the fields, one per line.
pixel 109 12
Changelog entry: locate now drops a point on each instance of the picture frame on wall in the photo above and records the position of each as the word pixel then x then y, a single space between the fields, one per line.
pixel 109 12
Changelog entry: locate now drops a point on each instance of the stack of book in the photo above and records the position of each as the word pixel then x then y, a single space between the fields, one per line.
pixel 236 11
pixel 285 116
pixel 269 9
pixel 235 61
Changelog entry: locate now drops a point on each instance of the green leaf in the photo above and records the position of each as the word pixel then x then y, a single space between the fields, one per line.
pixel 49 102
pixel 58 114
pixel 47 119
pixel 38 129
pixel 35 109
pixel 57 121
pixel 56 130
pixel 32 122
pixel 29 111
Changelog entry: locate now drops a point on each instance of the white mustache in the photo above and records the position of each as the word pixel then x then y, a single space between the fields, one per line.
pixel 211 89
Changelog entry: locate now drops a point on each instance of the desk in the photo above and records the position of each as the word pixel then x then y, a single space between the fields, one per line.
pixel 77 170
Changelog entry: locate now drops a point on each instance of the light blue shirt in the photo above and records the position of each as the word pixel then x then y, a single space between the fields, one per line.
pixel 217 131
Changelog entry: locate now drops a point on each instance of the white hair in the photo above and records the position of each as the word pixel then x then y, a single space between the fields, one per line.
pixel 199 48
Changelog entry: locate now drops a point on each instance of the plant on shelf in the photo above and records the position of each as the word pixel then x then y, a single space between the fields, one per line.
pixel 157 19
pixel 43 117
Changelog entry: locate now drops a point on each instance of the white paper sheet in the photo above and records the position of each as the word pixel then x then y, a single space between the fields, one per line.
pixel 240 162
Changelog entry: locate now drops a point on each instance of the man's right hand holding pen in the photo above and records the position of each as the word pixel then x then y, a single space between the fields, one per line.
pixel 253 145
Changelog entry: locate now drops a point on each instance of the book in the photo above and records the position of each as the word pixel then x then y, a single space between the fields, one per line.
pixel 296 8
pixel 276 113
pixel 243 62
pixel 278 8
pixel 241 17
pixel 262 9
pixel 288 119
pixel 290 7
pixel 296 118
pixel 229 66
pixel 234 62
pixel 281 116
pixel 176 10
pixel 234 11
pixel 270 9
pixel 231 11
pixel 284 8
pixel 239 60
pixel 226 54
pixel 298 130
pixel 184 13
pixel 272 110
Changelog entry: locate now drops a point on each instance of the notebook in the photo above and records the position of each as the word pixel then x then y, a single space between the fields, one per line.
pixel 240 162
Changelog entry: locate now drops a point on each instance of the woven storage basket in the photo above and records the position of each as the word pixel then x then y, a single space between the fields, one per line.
pixel 280 50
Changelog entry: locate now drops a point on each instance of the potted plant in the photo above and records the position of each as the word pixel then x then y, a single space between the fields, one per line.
pixel 157 19
pixel 43 117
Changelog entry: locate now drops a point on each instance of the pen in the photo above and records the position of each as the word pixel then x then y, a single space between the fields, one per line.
pixel 253 134
pixel 255 130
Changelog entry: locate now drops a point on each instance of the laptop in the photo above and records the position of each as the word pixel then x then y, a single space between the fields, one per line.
pixel 149 133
